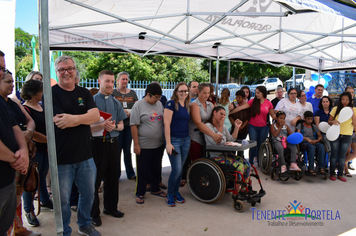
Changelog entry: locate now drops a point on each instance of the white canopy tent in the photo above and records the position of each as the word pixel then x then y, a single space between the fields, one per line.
pixel 279 33
pixel 305 34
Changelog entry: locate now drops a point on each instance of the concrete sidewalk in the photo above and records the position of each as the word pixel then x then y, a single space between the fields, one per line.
pixel 196 218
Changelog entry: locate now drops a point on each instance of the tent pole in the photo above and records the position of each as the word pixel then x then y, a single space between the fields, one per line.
pixel 319 69
pixel 293 77
pixel 217 74
pixel 228 72
pixel 209 71
pixel 45 67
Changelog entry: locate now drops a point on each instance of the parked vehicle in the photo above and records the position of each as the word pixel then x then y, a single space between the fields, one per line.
pixel 271 84
pixel 299 82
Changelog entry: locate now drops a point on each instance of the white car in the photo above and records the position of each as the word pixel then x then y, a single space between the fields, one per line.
pixel 299 80
pixel 271 84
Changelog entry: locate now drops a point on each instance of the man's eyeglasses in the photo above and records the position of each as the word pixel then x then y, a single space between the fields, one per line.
pixel 182 91
pixel 4 69
pixel 62 71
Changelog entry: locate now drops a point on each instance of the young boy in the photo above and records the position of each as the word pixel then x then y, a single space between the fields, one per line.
pixel 311 142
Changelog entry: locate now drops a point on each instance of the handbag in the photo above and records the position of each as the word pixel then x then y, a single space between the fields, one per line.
pixel 30 182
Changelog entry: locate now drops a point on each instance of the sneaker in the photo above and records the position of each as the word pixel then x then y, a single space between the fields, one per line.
pixel 294 167
pixel 342 178
pixel 89 231
pixel 350 167
pixel 178 198
pixel 283 169
pixel 170 200
pixel 48 205
pixel 31 220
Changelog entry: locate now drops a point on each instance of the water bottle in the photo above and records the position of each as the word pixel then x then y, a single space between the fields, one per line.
pixel 284 142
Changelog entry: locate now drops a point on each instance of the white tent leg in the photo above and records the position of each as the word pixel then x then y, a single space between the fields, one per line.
pixel 217 75
pixel 45 67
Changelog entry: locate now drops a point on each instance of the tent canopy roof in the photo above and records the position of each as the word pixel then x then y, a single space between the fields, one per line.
pixel 308 35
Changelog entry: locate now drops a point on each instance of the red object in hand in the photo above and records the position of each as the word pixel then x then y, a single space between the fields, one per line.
pixel 105 115
pixel 284 142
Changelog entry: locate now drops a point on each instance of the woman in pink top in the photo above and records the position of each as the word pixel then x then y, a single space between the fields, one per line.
pixel 258 128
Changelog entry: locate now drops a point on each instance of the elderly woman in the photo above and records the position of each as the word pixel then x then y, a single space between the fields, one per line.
pixel 200 111
pixel 146 122
pixel 35 75
pixel 127 97
pixel 291 107
pixel 32 92
pixel 27 125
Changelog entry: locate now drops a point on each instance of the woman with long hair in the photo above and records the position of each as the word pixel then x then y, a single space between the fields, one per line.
pixel 224 101
pixel 341 144
pixel 258 128
pixel 176 117
pixel 291 107
pixel 200 111
pixel 322 115
pixel 247 91
pixel 306 106
pixel 216 125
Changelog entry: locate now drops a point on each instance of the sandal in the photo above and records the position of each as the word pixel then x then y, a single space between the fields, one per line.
pixel 139 200
pixel 160 194
pixel 74 208
pixel 182 183
pixel 322 171
pixel 312 172
pixel 162 186
pixel 348 174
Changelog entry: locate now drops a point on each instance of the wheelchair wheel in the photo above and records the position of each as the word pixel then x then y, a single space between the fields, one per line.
pixel 265 157
pixel 298 176
pixel 206 181
pixel 238 206
pixel 283 177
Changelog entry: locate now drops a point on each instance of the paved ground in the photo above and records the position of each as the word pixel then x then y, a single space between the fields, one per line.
pixel 333 199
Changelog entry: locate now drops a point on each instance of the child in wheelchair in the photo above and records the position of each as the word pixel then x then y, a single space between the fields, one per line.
pixel 279 131
pixel 312 143
pixel 216 124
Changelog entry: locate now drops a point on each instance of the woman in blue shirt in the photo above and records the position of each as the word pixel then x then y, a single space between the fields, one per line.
pixel 176 117
pixel 322 115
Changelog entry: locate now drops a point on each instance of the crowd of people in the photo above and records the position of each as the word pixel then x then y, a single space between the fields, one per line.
pixel 92 130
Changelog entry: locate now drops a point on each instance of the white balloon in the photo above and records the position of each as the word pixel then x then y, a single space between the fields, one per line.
pixel 322 81
pixel 314 83
pixel 307 84
pixel 324 126
pixel 345 114
pixel 333 132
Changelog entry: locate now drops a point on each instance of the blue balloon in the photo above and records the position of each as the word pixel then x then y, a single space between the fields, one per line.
pixel 309 94
pixel 315 76
pixel 312 89
pixel 326 84
pixel 295 138
pixel 327 77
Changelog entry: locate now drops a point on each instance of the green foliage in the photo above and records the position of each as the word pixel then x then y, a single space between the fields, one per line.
pixel 152 68
pixel 23 52
pixel 82 60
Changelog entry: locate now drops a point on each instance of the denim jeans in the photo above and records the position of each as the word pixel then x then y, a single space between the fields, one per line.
pixel 258 134
pixel 84 175
pixel 125 140
pixel 311 150
pixel 42 159
pixel 181 145
pixel 338 151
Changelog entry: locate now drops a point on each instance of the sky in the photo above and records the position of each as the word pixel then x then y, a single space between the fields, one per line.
pixel 27 16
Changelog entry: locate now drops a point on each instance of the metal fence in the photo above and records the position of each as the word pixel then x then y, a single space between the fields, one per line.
pixel 140 86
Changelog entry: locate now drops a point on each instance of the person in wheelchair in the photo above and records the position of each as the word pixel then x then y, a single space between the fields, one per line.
pixel 216 124
pixel 279 131
pixel 312 142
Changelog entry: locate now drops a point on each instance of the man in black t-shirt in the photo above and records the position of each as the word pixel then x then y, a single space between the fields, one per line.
pixel 13 156
pixel 279 96
pixel 74 111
